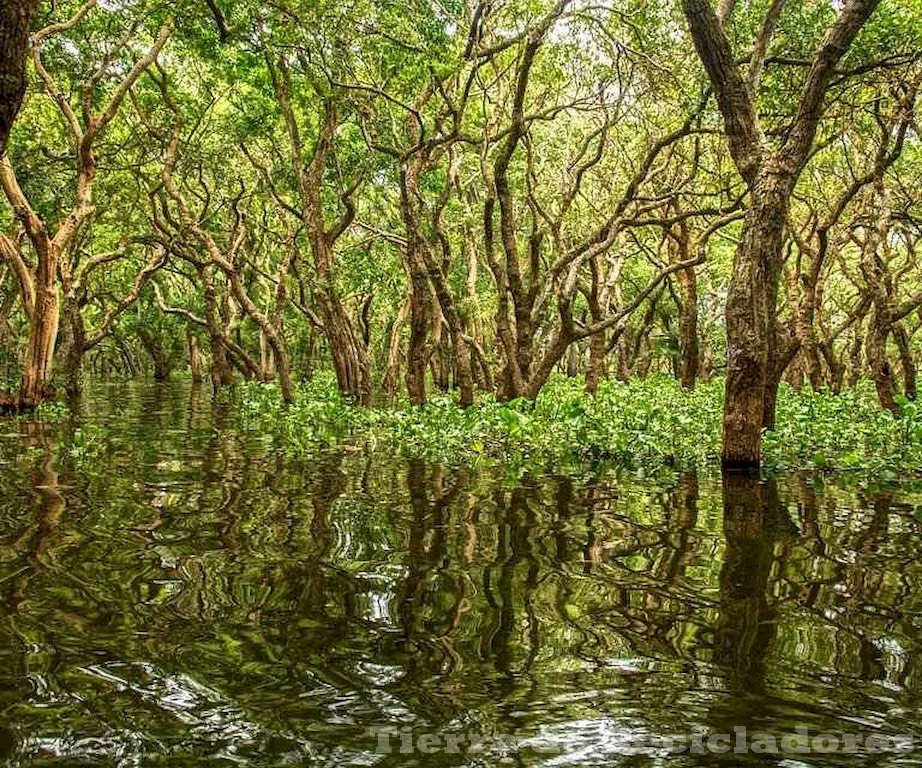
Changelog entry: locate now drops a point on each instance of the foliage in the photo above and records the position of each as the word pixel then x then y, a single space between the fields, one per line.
pixel 404 191
pixel 848 431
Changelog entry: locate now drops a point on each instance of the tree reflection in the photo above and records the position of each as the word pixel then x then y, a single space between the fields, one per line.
pixel 32 545
pixel 754 522
pixel 194 587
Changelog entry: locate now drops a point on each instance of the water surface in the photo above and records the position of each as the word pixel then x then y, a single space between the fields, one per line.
pixel 174 592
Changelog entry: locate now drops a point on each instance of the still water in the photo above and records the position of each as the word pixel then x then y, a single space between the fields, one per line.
pixel 174 592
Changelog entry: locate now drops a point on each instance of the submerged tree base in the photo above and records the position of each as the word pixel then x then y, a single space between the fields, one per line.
pixel 11 403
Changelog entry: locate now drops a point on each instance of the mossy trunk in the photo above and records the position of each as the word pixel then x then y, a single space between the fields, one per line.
pixel 754 365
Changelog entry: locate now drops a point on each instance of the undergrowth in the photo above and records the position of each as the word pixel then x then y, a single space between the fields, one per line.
pixel 649 424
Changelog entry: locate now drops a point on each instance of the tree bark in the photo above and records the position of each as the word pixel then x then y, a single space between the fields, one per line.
pixel 689 345
pixel 43 331
pixel 597 368
pixel 196 362
pixel 73 345
pixel 391 371
pixel 419 350
pixel 16 18
pixel 687 299
pixel 881 325
pixel 752 325
pixel 907 364
pixel 221 372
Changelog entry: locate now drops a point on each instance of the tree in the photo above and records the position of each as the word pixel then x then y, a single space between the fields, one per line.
pixel 40 285
pixel 758 351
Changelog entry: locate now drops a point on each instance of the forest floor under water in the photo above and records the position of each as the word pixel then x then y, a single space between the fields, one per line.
pixel 196 581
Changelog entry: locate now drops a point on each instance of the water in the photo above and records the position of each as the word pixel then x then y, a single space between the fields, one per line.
pixel 175 593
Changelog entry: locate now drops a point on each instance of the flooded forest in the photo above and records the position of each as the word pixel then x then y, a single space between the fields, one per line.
pixel 460 383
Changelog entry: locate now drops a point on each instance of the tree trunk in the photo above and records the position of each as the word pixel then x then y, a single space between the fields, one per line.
pixel 879 363
pixel 707 362
pixel 874 270
pixel 689 347
pixel 73 346
pixel 222 375
pixel 572 358
pixel 16 17
pixel 163 364
pixel 392 369
pixel 43 333
pixel 834 365
pixel 347 347
pixel 596 369
pixel 269 334
pixel 687 362
pixel 641 355
pixel 266 359
pixel 907 364
pixel 854 357
pixel 796 374
pixel 419 351
pixel 350 356
pixel 753 362
pixel 196 363
pixel 459 361
pixel 441 368
pixel 802 298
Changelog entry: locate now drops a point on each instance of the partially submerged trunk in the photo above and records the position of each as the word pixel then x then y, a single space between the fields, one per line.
pixel 160 356
pixel 196 360
pixel 43 333
pixel 754 368
pixel 222 374
pixel 756 356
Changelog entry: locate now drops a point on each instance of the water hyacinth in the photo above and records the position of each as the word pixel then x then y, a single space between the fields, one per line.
pixel 651 424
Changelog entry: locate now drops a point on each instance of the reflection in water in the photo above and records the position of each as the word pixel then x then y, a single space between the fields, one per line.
pixel 176 592
pixel 753 522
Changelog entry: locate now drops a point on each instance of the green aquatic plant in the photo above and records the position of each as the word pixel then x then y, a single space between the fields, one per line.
pixel 848 431
pixel 641 425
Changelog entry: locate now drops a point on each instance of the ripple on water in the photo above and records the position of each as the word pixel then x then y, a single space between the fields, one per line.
pixel 175 592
